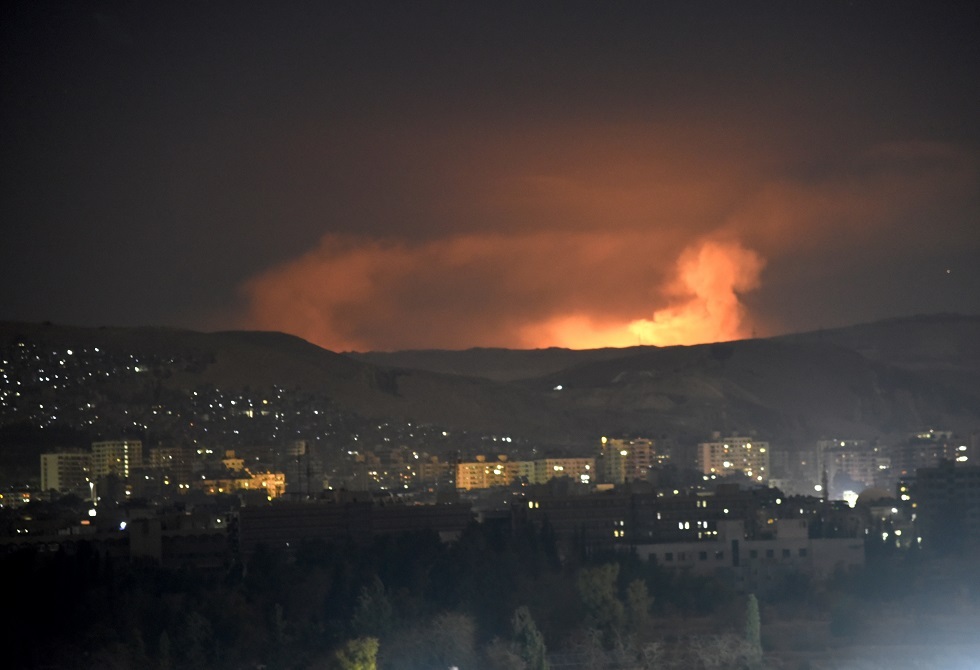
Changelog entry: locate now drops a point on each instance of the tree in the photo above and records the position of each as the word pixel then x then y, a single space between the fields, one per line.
pixel 638 603
pixel 597 589
pixel 357 654
pixel 530 641
pixel 374 613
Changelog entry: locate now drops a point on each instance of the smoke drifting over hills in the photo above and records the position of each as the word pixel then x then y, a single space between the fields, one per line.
pixel 612 243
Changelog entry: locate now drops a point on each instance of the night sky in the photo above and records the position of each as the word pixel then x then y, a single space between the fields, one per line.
pixel 372 175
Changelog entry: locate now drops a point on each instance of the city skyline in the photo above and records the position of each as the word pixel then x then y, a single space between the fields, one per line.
pixel 381 176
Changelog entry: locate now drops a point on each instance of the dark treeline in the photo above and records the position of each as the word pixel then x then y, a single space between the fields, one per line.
pixel 425 600
pixel 494 599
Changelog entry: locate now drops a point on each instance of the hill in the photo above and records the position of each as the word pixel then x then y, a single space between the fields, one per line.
pixel 882 378
pixel 871 379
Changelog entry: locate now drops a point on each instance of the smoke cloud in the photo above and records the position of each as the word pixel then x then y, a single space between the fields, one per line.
pixel 576 290
pixel 616 240
pixel 704 305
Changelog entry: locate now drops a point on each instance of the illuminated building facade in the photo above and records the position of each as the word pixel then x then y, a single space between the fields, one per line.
pixel 484 474
pixel 273 484
pixel 620 460
pixel 733 455
pixel 577 469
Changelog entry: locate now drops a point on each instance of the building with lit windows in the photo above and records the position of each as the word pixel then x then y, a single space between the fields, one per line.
pixel 620 460
pixel 580 470
pixel 946 500
pixel 273 484
pixel 759 563
pixel 173 463
pixel 925 450
pixel 732 455
pixel 116 457
pixel 67 472
pixel 853 465
pixel 484 474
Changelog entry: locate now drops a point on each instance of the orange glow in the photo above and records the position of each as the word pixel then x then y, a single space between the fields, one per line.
pixel 706 308
pixel 586 237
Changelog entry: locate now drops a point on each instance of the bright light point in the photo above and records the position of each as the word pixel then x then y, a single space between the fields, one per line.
pixel 558 388
pixel 818 488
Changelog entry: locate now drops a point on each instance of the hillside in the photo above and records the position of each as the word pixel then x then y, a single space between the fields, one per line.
pixel 502 365
pixel 184 360
pixel 888 377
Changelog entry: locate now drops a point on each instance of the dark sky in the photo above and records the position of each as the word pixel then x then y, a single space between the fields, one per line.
pixel 376 175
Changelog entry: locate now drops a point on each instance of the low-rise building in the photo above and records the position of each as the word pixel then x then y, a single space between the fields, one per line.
pixel 758 564
pixel 272 483
pixel 484 473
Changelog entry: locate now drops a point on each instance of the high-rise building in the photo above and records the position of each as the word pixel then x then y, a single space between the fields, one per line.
pixel 116 457
pixel 66 472
pixel 926 449
pixel 733 455
pixel 947 501
pixel 621 460
pixel 853 465
pixel 173 462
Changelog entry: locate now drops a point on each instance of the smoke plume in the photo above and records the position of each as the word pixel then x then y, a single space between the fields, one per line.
pixel 576 290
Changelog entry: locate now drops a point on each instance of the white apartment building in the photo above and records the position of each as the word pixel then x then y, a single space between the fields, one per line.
pixel 67 472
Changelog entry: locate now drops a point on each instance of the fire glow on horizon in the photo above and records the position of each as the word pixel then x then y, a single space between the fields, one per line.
pixel 705 306
pixel 343 293
pixel 609 244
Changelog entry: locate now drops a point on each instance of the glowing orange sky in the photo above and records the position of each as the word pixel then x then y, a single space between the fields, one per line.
pixel 400 175
pixel 585 238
